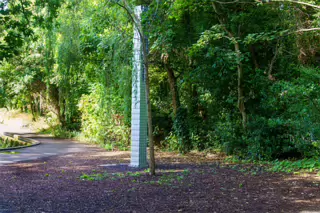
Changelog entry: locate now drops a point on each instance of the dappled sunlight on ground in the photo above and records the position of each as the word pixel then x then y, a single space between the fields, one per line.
pixel 109 154
pixel 307 201
pixel 315 178
pixel 193 157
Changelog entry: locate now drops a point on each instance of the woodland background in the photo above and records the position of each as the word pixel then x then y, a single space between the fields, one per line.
pixel 240 77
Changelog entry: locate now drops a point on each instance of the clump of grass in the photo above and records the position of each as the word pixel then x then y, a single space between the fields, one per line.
pixel 9 143
pixel 94 177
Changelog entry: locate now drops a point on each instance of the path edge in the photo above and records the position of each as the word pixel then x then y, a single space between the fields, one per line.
pixel 21 140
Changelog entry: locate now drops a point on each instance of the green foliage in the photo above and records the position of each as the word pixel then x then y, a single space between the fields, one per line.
pixel 309 165
pixel 59 132
pixel 71 61
pixel 182 131
pixel 94 177
pixel 74 49
pixel 112 176
pixel 277 126
pixel 8 143
pixel 100 121
pixel 286 166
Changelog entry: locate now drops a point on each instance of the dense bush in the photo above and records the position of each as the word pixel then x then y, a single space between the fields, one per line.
pixel 101 123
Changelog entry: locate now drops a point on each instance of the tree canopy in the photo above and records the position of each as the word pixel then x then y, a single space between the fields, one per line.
pixel 235 76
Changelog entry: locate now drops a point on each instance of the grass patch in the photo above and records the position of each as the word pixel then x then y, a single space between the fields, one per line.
pixel 94 177
pixel 10 153
pixel 286 166
pixel 9 143
pixel 308 165
pixel 167 177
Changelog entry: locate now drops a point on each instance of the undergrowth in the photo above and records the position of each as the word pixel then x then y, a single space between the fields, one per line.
pixel 286 166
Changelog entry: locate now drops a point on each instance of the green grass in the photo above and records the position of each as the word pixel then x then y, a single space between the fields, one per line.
pixel 7 143
pixel 286 166
pixel 10 153
pixel 168 177
pixel 308 165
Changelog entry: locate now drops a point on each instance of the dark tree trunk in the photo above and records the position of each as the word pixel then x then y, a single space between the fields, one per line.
pixel 174 90
pixel 56 103
pixel 241 104
pixel 254 57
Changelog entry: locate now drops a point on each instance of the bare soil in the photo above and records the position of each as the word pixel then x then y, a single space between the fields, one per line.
pixel 192 183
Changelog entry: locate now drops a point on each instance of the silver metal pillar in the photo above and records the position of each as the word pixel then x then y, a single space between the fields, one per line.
pixel 139 119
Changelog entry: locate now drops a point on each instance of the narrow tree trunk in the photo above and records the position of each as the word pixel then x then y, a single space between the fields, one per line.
pixel 62 109
pixel 241 104
pixel 53 99
pixel 150 129
pixel 253 56
pixel 32 107
pixel 174 90
pixel 274 59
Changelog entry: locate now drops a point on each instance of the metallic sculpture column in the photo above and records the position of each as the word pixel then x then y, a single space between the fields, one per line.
pixel 139 116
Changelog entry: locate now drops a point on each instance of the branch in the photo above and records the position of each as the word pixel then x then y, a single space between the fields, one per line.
pixel 268 1
pixel 308 30
pixel 132 16
pixel 290 1
pixel 273 61
pixel 24 11
pixel 221 21
pixel 233 2
pixel 302 31
pixel 129 11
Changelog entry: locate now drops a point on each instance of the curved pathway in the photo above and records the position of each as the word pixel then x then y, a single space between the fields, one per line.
pixel 48 147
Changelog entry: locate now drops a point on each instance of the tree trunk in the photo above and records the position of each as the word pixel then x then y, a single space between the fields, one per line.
pixel 241 104
pixel 150 129
pixel 174 90
pixel 253 56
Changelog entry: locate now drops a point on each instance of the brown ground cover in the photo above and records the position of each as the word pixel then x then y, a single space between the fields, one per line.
pixel 193 183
